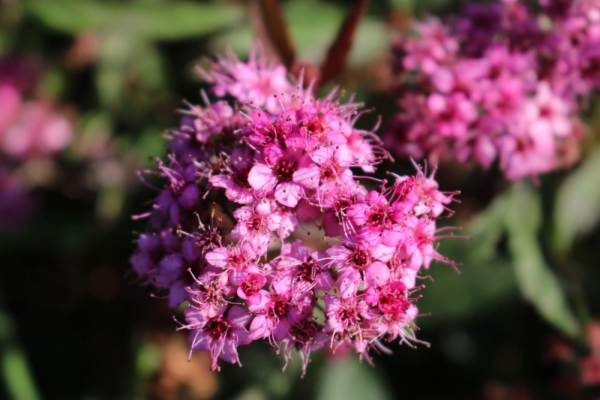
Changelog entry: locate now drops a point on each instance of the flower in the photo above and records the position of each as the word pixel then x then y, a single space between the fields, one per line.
pixel 497 82
pixel 261 172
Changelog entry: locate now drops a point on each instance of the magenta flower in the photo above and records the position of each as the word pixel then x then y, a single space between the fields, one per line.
pixel 261 173
pixel 501 82
pixel 219 335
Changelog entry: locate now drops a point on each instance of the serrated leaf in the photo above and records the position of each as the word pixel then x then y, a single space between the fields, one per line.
pixel 165 21
pixel 577 209
pixel 536 280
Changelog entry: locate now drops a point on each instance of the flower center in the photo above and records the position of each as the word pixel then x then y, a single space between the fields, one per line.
pixel 285 170
pixel 280 307
pixel 251 285
pixel 217 327
pixel 307 270
pixel 360 258
pixel 391 298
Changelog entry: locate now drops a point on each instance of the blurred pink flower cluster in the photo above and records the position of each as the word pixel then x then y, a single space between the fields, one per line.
pixel 29 129
pixel 277 164
pixel 500 82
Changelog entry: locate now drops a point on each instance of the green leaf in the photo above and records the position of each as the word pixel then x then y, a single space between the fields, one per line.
pixel 14 366
pixel 536 280
pixel 70 16
pixel 115 51
pixel 475 290
pixel 178 20
pixel 486 230
pixel 128 67
pixel 421 6
pixel 480 265
pixel 577 209
pixel 349 379
pixel 166 21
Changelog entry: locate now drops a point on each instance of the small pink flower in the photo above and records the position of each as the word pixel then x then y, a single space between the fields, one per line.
pixel 219 335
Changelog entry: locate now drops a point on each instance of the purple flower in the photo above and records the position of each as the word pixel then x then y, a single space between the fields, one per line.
pixel 219 335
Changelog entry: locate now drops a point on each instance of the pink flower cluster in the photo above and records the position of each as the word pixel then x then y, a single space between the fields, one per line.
pixel 244 182
pixel 29 129
pixel 501 82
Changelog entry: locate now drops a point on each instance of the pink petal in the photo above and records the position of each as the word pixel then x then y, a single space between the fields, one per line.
pixel 261 178
pixel 288 194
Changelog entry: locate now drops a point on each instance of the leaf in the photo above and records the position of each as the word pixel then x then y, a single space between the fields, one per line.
pixel 70 16
pixel 577 209
pixel 115 51
pixel 14 367
pixel 128 66
pixel 350 379
pixel 486 230
pixel 176 20
pixel 452 297
pixel 480 264
pixel 167 21
pixel 536 280
pixel 337 56
pixel 422 6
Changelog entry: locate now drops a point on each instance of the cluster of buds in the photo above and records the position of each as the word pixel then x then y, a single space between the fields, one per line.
pixel 246 180
pixel 501 82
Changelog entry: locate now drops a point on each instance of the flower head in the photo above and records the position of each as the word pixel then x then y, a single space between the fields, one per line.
pixel 261 171
pixel 496 83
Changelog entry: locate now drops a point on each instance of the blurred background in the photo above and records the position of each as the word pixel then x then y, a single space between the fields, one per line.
pixel 100 82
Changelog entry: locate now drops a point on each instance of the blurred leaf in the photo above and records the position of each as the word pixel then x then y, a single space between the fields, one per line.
pixel 372 40
pixel 110 203
pixel 337 55
pixel 420 6
pixel 176 20
pixel 110 77
pixel 350 380
pixel 148 146
pixel 577 209
pixel 147 362
pixel 536 280
pixel 127 66
pixel 13 362
pixel 486 230
pixel 481 264
pixel 164 21
pixel 70 16
pixel 407 4
pixel 479 287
